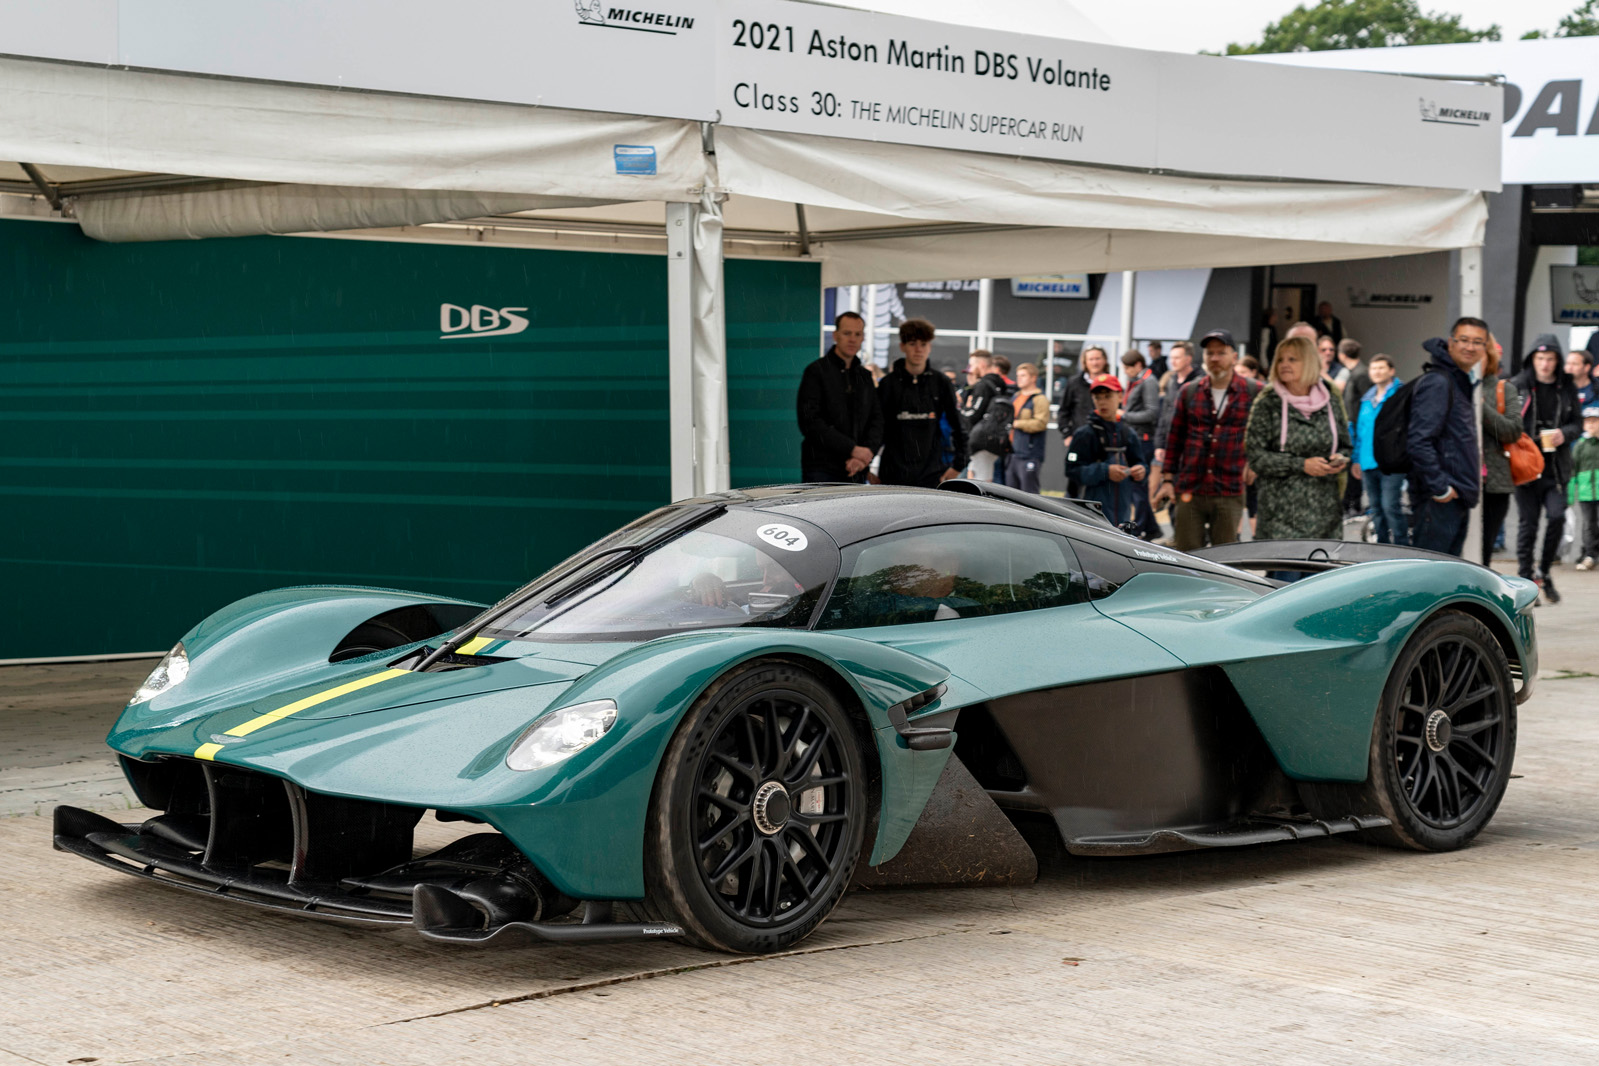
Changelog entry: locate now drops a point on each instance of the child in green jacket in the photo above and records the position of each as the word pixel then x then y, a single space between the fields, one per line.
pixel 1583 489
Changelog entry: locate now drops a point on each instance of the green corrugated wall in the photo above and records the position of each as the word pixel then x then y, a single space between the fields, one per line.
pixel 184 423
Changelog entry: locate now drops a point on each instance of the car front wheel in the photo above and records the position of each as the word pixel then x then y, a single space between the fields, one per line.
pixel 758 812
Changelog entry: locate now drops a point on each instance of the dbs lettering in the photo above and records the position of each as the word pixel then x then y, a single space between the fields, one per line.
pixel 456 321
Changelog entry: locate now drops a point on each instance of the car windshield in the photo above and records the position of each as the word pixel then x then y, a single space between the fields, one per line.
pixel 699 579
pixel 639 531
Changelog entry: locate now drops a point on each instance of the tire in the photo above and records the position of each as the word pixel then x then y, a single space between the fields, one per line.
pixel 738 868
pixel 1442 743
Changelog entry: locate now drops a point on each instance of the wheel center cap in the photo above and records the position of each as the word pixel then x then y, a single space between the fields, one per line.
pixel 771 807
pixel 1439 730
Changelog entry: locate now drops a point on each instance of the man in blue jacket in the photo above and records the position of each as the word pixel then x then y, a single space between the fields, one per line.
pixel 1446 466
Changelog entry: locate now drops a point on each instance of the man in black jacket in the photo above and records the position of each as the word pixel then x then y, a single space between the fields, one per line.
pixel 1552 416
pixel 838 410
pixel 914 398
pixel 1446 464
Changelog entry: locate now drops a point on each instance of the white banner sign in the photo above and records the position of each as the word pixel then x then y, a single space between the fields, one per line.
pixel 812 68
pixel 1551 96
pixel 1574 295
pixel 816 69
pixel 646 59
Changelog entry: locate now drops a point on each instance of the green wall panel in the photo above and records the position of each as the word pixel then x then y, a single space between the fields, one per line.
pixel 774 319
pixel 184 423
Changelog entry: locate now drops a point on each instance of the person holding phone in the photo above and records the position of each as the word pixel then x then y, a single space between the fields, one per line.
pixel 1298 446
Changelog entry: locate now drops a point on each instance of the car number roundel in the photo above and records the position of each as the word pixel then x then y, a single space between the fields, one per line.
pixel 780 536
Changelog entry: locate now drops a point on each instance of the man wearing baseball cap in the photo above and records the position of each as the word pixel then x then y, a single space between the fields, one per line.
pixel 1106 456
pixel 1204 467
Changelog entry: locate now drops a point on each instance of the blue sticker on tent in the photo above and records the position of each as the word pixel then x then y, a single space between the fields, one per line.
pixel 635 158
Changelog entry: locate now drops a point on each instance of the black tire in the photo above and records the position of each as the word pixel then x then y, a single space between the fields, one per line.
pixel 1443 741
pixel 740 869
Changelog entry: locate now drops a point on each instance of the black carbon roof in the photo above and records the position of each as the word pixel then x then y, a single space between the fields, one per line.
pixel 855 512
pixel 851 513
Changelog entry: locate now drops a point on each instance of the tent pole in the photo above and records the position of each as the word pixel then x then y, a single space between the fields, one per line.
pixel 697 348
pixel 1470 282
pixel 712 461
pixel 985 312
pixel 1129 285
pixel 680 347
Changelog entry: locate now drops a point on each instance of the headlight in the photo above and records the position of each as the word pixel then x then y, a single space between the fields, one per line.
pixel 561 734
pixel 171 670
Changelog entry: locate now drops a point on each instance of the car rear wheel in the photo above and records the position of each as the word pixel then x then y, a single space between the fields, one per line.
pixel 758 813
pixel 1443 741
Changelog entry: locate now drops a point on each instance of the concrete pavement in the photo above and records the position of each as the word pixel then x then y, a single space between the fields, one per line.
pixel 1320 952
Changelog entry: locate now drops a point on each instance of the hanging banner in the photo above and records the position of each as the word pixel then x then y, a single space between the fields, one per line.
pixel 1550 130
pixel 812 68
pixel 647 59
pixel 1574 295
pixel 839 72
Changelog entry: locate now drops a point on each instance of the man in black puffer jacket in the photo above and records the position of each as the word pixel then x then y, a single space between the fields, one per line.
pixel 914 396
pixel 1446 465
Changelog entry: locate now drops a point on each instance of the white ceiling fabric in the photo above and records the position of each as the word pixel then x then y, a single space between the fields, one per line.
pixel 1097 219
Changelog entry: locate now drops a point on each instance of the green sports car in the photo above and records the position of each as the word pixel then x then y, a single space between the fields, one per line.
pixel 712 722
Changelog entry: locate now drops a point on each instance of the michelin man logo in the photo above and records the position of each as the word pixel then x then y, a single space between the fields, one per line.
pixel 1429 111
pixel 456 321
pixel 590 11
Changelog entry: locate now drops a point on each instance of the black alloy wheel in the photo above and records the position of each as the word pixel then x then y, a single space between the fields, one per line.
pixel 1449 732
pixel 1443 742
pixel 759 811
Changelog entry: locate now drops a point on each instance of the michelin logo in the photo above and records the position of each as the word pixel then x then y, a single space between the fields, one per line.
pixel 595 13
pixel 456 322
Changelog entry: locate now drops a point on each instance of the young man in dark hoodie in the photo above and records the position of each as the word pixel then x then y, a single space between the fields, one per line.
pixel 914 396
pixel 1552 415
pixel 837 408
pixel 1446 465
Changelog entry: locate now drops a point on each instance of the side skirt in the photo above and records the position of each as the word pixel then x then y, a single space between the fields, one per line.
pixel 1140 766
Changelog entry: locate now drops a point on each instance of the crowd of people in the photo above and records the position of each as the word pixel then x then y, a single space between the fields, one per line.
pixel 1293 443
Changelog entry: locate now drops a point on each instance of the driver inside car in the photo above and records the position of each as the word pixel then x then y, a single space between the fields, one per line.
pixel 922 589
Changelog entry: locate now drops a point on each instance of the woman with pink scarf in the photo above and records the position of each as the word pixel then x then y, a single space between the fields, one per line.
pixel 1298 445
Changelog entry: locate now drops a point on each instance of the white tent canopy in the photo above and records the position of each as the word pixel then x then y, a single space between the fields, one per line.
pixel 141 155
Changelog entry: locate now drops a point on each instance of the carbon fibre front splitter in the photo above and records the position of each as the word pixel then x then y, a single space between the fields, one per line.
pixel 434 911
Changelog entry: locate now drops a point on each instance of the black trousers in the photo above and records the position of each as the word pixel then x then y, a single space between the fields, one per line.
pixel 1495 505
pixel 1590 528
pixel 1544 498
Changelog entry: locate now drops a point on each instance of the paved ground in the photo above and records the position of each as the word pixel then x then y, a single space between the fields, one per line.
pixel 1322 952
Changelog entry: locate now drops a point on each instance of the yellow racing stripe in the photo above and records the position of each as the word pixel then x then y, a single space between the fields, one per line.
pixel 208 751
pixel 475 645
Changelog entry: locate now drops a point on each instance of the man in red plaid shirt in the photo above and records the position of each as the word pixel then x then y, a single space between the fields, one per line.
pixel 1204 464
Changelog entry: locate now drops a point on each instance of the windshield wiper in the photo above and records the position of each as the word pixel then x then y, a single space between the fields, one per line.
pixel 623 553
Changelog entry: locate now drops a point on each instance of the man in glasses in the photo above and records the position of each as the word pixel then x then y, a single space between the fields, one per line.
pixel 1446 466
